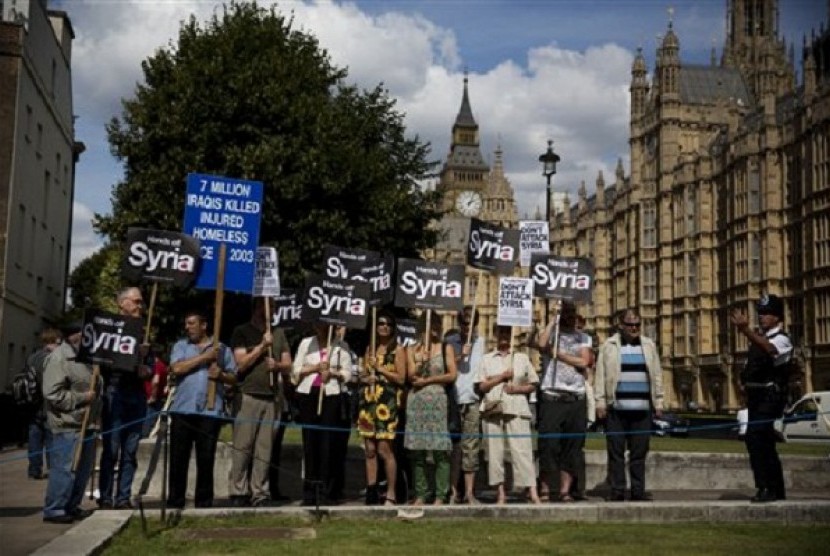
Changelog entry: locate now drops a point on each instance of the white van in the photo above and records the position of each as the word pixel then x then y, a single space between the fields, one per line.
pixel 808 419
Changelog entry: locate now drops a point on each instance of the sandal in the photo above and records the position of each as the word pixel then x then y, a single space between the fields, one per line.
pixel 566 498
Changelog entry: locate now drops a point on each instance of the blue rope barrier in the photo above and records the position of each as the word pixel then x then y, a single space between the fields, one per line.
pixel 537 435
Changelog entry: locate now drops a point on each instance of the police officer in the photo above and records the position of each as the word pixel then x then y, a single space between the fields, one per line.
pixel 763 382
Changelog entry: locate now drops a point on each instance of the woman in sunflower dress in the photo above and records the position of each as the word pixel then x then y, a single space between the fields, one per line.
pixel 429 371
pixel 382 381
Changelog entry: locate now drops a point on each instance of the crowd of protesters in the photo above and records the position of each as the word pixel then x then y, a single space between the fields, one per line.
pixel 427 411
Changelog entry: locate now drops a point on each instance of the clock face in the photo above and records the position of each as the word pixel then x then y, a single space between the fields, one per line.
pixel 468 203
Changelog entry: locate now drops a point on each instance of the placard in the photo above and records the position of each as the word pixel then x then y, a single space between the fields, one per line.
pixel 347 262
pixel 534 237
pixel 380 276
pixel 224 210
pixel 160 256
pixel 515 302
pixel 492 248
pixel 335 301
pixel 429 285
pixel 266 273
pixel 562 277
pixel 407 332
pixel 287 309
pixel 110 340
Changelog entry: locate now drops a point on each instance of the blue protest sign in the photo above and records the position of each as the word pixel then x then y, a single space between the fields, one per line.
pixel 224 210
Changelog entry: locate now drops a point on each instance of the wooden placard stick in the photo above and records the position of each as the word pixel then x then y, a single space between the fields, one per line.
pixel 428 333
pixel 374 347
pixel 323 384
pixel 217 319
pixel 554 350
pixel 268 330
pixel 150 309
pixel 79 447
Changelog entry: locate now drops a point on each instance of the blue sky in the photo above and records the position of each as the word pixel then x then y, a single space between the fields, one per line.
pixel 537 69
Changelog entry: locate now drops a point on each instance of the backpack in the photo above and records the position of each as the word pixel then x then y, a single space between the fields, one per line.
pixel 25 387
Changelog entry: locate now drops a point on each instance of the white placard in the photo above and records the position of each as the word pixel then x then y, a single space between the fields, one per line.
pixel 267 273
pixel 515 302
pixel 534 237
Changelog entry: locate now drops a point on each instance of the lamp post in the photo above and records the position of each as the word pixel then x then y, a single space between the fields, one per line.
pixel 548 160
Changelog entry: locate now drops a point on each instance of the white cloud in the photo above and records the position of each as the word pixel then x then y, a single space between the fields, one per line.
pixel 85 241
pixel 579 99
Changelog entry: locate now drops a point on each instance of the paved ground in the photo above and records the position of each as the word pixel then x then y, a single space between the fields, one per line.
pixel 22 530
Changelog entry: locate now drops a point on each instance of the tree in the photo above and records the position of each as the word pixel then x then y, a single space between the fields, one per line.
pixel 246 95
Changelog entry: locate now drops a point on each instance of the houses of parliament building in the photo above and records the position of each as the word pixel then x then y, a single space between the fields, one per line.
pixel 727 198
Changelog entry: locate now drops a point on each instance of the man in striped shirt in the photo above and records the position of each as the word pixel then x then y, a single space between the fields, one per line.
pixel 628 388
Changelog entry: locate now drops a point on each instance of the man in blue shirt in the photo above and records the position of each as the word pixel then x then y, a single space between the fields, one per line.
pixel 193 363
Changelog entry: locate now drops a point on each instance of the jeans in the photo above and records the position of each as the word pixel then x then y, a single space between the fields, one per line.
pixel 65 489
pixel 39 436
pixel 627 429
pixel 122 422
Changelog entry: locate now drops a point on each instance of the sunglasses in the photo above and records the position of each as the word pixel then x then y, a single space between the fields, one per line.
pixel 384 323
pixel 631 324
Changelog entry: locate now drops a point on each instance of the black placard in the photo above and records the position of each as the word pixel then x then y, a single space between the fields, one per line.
pixel 110 340
pixel 562 277
pixel 287 309
pixel 347 263
pixel 429 285
pixel 380 275
pixel 160 256
pixel 407 332
pixel 335 301
pixel 492 248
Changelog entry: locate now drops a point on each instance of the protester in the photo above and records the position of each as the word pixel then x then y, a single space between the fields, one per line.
pixel 381 385
pixel 467 445
pixel 259 356
pixel 68 394
pixel 764 384
pixel 318 367
pixel 628 391
pixel 156 391
pixel 194 362
pixel 125 407
pixel 562 405
pixel 430 368
pixel 506 378
pixel 50 339
pixel 344 418
pixel 578 484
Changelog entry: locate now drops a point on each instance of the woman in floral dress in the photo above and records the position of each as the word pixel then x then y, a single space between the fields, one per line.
pixel 429 370
pixel 382 380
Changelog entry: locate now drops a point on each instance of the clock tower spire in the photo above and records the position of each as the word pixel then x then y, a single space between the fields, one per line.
pixel 463 178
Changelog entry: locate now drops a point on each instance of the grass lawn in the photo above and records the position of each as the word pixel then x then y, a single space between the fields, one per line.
pixel 483 536
pixel 595 441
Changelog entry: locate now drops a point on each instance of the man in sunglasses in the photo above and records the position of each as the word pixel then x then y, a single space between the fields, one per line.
pixel 764 382
pixel 628 388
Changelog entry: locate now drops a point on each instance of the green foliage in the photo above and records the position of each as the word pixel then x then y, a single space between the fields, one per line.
pixel 96 280
pixel 247 95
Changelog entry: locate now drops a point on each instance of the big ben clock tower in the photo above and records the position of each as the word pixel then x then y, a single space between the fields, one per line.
pixel 463 180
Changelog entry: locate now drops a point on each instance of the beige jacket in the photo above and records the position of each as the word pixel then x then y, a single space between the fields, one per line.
pixel 608 372
pixel 65 385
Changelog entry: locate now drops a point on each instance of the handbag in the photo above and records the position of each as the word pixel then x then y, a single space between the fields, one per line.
pixel 453 411
pixel 492 408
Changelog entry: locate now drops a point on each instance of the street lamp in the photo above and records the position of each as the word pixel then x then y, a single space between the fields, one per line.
pixel 548 160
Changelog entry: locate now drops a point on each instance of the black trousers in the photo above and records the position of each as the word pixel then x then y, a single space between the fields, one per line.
pixel 568 419
pixel 627 429
pixel 187 431
pixel 276 461
pixel 317 441
pixel 760 441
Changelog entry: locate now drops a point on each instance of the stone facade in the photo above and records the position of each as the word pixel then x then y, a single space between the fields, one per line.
pixel 38 153
pixel 728 198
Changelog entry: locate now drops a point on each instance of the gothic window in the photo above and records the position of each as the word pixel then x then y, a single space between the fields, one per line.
pixel 691 284
pixel 754 190
pixel 822 317
pixel 754 257
pixel 649 224
pixel 691 211
pixel 650 282
pixel 691 329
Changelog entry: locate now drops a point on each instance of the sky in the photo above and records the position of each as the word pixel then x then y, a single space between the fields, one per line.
pixel 538 70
